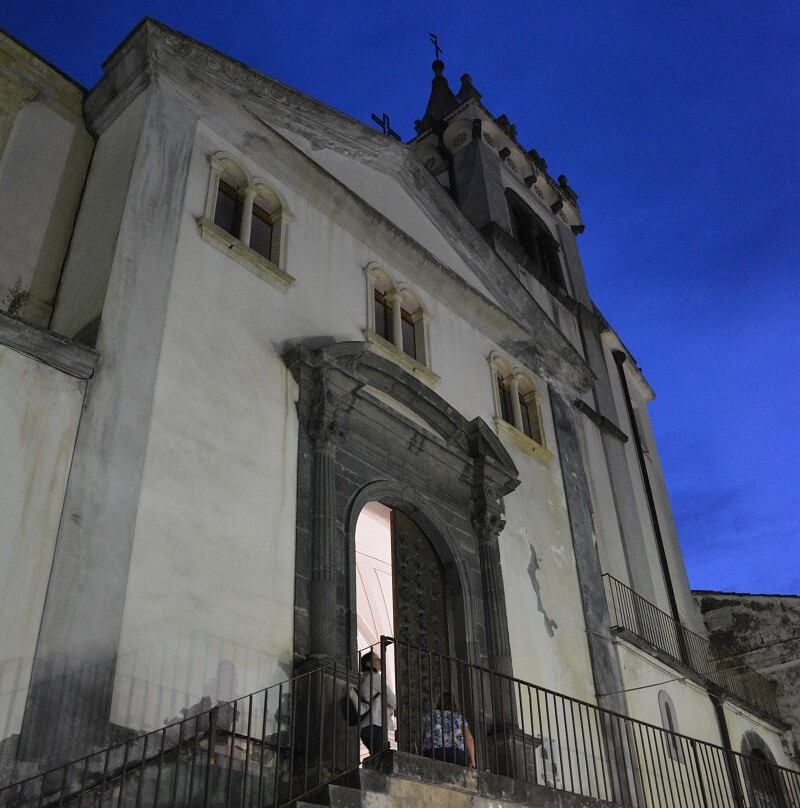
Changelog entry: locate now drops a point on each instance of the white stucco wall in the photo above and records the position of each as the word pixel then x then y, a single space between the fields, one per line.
pixel 643 678
pixel 387 195
pixel 39 412
pixel 547 629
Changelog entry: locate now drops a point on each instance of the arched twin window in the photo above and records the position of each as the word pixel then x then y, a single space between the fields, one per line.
pixel 517 400
pixel 396 316
pixel 244 215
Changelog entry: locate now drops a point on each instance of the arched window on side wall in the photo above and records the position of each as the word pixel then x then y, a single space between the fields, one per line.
pixel 669 721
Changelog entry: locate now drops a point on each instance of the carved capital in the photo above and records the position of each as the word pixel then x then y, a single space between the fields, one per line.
pixel 325 424
pixel 488 524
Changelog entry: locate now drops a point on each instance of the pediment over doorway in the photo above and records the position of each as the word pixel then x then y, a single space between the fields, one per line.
pixel 345 384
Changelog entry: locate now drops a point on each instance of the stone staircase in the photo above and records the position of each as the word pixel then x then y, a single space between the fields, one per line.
pixel 399 780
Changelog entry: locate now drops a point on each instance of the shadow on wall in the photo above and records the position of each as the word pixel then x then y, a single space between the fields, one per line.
pixel 550 625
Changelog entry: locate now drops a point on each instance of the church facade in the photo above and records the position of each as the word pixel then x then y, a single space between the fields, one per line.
pixel 235 320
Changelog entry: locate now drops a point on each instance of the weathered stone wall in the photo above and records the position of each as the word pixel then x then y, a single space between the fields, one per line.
pixel 762 631
pixel 44 155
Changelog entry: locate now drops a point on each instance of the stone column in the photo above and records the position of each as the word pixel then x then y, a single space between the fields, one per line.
pixel 248 195
pixel 324 571
pixel 397 320
pixel 323 740
pixel 498 691
pixel 513 389
pixel 498 646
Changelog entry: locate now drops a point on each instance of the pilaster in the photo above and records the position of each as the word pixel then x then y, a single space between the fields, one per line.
pixel 325 431
pixel 489 486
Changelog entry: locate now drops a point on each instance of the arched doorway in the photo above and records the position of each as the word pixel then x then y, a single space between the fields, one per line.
pixel 400 582
pixel 401 592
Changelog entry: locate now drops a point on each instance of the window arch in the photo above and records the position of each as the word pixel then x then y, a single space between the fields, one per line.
pixel 245 216
pixel 518 403
pixel 762 776
pixel 396 316
pixel 669 721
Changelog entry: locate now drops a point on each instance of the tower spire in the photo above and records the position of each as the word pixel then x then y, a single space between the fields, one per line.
pixel 442 100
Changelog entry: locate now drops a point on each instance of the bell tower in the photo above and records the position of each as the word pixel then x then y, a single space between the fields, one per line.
pixel 529 218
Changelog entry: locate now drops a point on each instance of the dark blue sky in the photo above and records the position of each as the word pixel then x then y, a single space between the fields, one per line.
pixel 679 127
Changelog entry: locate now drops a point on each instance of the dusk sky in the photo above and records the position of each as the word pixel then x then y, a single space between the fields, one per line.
pixel 677 123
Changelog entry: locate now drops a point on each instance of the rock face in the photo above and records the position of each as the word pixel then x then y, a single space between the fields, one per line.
pixel 762 631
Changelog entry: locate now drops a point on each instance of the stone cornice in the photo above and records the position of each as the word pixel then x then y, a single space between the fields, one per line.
pixel 51 349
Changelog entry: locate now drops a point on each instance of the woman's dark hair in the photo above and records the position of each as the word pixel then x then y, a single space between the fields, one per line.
pixel 446 701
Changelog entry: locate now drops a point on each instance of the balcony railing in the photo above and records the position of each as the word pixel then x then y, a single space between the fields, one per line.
pixel 629 611
pixel 275 747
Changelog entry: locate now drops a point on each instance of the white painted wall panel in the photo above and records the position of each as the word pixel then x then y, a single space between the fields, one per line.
pixel 39 412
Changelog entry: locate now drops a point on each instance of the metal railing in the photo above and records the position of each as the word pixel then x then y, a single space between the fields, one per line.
pixel 264 750
pixel 632 612
pixel 276 746
pixel 542 737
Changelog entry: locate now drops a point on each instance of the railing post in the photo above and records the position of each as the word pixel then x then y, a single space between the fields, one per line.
pixel 699 771
pixel 385 643
pixel 210 758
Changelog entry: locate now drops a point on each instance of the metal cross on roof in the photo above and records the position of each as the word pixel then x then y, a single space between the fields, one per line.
pixel 383 122
pixel 435 41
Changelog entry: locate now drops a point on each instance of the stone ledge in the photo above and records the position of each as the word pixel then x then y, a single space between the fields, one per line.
pixel 44 346
pixel 392 352
pixel 467 786
pixel 523 442
pixel 252 261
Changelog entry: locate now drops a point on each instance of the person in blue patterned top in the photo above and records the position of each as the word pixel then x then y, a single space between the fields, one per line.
pixel 446 734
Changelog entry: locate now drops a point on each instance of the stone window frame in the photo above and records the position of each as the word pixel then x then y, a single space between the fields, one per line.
pixel 536 239
pixel 669 720
pixel 523 391
pixel 253 192
pixel 411 309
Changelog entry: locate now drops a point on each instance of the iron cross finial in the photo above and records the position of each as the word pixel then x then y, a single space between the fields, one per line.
pixel 383 122
pixel 435 41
